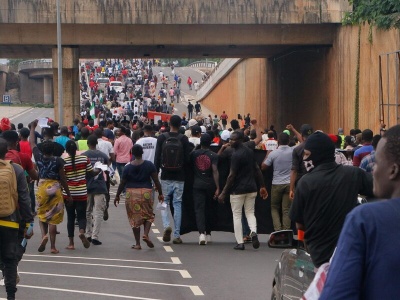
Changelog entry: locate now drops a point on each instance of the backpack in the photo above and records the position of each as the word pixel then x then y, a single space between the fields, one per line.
pixel 172 153
pixel 8 189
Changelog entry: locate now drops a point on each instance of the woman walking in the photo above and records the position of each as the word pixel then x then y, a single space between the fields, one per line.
pixel 76 167
pixel 49 199
pixel 137 176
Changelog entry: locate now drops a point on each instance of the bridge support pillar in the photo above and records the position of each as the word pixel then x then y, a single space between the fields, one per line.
pixel 3 79
pixel 47 90
pixel 70 85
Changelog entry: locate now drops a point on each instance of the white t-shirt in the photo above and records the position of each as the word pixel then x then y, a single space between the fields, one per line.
pixel 194 140
pixel 105 146
pixel 271 145
pixel 149 147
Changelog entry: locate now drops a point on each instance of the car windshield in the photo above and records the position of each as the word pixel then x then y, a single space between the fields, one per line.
pixel 116 83
pixel 103 80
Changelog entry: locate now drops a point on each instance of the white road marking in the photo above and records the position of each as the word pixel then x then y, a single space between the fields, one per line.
pixel 168 249
pixel 85 292
pixel 184 273
pixel 152 224
pixel 195 289
pixel 160 238
pixel 155 230
pixel 100 258
pixel 20 114
pixel 176 260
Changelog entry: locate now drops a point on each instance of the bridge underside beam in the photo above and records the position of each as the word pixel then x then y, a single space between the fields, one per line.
pixel 36 40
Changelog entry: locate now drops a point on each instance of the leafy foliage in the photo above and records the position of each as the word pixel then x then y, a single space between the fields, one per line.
pixel 384 14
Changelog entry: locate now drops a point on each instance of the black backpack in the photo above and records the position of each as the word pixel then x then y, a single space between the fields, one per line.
pixel 172 156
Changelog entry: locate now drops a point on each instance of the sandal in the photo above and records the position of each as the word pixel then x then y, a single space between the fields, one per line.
pixel 70 247
pixel 136 247
pixel 247 239
pixel 42 246
pixel 84 240
pixel 149 243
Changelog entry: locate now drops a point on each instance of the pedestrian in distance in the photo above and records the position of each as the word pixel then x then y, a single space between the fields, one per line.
pixel 137 177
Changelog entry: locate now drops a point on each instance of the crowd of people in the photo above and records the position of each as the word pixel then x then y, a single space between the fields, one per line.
pixel 316 177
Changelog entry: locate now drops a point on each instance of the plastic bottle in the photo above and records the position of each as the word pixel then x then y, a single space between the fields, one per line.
pixel 28 232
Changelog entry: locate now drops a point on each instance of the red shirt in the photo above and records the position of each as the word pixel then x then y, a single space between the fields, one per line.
pixel 25 147
pixel 20 158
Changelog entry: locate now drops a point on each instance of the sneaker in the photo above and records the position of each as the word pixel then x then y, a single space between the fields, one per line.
pixel 96 242
pixel 105 216
pixel 239 247
pixel 167 234
pixel 254 240
pixel 177 240
pixel 202 239
pixel 208 238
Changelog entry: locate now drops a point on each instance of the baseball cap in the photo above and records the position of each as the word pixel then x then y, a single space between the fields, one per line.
pixel 192 122
pixel 225 135
pixel 306 130
pixel 196 129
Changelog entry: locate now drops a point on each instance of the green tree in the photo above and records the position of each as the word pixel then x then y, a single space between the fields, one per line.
pixel 13 64
pixel 384 14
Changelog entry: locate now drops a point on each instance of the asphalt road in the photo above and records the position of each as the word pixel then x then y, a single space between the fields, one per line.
pixel 113 270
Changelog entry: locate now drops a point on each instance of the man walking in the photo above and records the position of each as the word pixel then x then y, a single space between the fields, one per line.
pixel 172 153
pixel 148 143
pixel 205 186
pixel 242 186
pixel 281 161
pixel 190 110
pixel 15 206
pixel 97 191
pixel 224 120
pixel 197 108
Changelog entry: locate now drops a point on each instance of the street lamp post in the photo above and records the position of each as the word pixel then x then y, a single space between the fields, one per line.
pixel 59 63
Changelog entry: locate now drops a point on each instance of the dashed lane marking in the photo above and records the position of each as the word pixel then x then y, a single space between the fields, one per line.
pixel 184 273
pixel 100 258
pixel 155 230
pixel 176 260
pixel 194 288
pixel 160 239
pixel 85 292
pixel 168 249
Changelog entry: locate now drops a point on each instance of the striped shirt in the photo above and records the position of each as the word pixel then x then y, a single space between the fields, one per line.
pixel 76 178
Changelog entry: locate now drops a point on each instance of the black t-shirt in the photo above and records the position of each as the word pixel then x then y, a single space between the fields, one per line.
pixel 197 107
pixel 321 202
pixel 190 107
pixel 243 164
pixel 297 161
pixel 202 161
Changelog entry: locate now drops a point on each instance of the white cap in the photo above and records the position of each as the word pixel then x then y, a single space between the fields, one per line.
pixel 192 122
pixel 225 135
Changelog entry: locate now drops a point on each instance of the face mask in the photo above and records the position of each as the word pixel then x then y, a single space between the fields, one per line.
pixel 308 164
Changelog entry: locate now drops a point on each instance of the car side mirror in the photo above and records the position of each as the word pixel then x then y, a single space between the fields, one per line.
pixel 282 239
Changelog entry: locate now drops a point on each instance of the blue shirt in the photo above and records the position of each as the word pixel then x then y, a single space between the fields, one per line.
pixel 366 263
pixel 62 140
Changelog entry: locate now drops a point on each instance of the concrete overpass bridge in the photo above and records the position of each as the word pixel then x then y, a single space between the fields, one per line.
pixel 163 28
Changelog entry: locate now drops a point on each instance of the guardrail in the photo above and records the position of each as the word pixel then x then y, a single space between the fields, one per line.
pixel 203 64
pixel 222 70
pixel 35 64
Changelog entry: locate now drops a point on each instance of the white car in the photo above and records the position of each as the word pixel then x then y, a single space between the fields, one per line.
pixel 117 86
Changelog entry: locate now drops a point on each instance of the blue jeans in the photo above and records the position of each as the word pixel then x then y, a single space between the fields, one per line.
pixel 174 189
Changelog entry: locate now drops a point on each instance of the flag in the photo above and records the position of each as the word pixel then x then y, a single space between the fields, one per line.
pixel 92 111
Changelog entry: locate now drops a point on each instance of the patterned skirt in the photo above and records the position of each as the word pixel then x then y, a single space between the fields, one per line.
pixel 139 206
pixel 50 202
